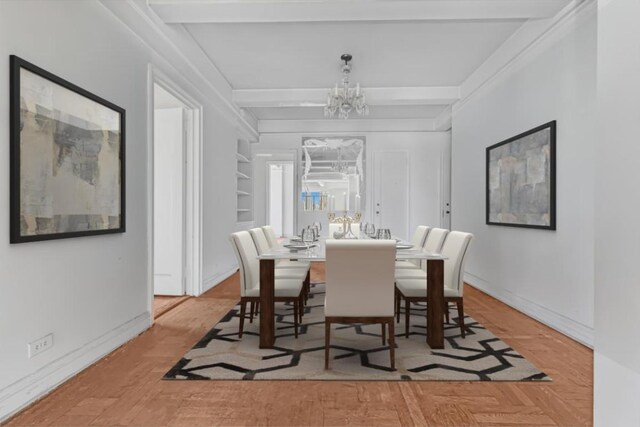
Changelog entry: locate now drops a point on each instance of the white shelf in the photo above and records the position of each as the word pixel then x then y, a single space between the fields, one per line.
pixel 244 172
pixel 242 159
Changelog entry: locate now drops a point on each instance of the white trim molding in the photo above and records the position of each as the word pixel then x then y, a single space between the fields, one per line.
pixel 193 181
pixel 25 391
pixel 216 279
pixel 566 326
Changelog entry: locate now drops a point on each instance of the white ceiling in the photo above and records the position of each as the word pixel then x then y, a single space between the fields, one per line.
pixel 413 55
pixel 307 55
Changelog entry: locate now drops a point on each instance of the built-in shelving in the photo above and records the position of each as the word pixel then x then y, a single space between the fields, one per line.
pixel 242 159
pixel 244 175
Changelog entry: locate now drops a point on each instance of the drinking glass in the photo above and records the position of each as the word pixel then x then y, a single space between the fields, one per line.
pixel 370 230
pixel 308 237
pixel 316 229
pixel 384 234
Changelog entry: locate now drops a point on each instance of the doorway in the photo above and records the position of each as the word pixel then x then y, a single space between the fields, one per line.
pixel 175 147
pixel 281 197
pixel 169 141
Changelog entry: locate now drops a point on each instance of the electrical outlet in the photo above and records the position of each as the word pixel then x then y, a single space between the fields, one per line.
pixel 40 345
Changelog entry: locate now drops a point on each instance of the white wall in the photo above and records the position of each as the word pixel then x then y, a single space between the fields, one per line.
pixel 547 274
pixel 78 289
pixel 219 198
pixel 617 277
pixel 93 293
pixel 428 154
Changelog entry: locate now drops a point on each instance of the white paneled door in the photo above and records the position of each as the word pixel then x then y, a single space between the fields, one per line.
pixel 168 201
pixel 391 192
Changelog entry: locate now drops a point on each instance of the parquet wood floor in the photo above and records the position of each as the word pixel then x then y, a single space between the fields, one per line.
pixel 164 303
pixel 125 388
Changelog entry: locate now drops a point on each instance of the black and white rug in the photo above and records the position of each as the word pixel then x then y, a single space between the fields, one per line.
pixel 357 352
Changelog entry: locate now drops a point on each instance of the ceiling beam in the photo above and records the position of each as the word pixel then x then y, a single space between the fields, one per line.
pixel 215 11
pixel 339 125
pixel 254 98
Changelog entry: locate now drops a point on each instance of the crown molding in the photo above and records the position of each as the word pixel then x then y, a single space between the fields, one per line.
pixel 178 51
pixel 521 44
pixel 443 121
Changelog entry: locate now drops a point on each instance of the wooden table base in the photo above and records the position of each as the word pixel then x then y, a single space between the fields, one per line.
pixel 435 303
pixel 267 310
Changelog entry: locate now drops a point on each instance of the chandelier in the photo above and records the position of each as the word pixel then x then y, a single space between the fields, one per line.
pixel 343 99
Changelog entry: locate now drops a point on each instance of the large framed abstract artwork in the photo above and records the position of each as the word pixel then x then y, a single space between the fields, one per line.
pixel 521 180
pixel 67 158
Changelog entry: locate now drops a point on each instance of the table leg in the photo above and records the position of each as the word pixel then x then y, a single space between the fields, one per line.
pixel 267 293
pixel 435 303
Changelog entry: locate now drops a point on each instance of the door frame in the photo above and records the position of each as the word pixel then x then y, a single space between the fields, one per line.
pixel 192 256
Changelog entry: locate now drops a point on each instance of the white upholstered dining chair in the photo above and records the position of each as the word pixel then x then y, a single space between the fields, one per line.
pixel 263 244
pixel 284 269
pixel 433 243
pixel 272 239
pixel 417 240
pixel 359 286
pixel 455 248
pixel 286 289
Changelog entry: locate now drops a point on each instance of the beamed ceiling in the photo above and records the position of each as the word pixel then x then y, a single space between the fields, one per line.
pixel 412 57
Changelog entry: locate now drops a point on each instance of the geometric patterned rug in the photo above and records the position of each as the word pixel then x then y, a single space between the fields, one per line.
pixel 357 352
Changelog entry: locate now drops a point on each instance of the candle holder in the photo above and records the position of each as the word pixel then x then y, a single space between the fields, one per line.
pixel 346 222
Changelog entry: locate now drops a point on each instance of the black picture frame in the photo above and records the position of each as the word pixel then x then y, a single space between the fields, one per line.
pixel 551 126
pixel 75 138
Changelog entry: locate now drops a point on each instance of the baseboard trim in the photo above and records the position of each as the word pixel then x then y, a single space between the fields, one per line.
pixel 216 279
pixel 566 326
pixel 27 390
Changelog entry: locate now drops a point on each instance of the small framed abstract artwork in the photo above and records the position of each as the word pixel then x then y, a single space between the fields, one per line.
pixel 67 158
pixel 521 180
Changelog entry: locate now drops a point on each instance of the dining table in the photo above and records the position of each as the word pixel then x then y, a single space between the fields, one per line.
pixel 316 252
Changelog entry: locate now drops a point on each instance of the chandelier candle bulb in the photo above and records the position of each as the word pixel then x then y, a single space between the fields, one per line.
pixel 357 203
